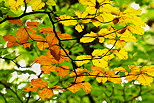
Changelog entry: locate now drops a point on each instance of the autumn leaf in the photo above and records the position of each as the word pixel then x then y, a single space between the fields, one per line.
pixel 36 37
pixel 36 4
pixel 78 71
pixel 46 30
pixel 76 87
pixel 122 54
pixel 81 14
pixel 89 37
pixel 46 93
pixel 32 24
pixel 79 28
pixel 86 86
pixel 31 30
pixel 14 4
pixel 25 45
pixel 38 83
pixel 137 73
pixel 28 89
pixel 65 36
pixel 42 45
pixel 16 21
pixel 52 40
pixel 62 70
pixel 55 52
pixel 44 60
pixel 22 35
pixel 64 19
pixel 46 69
pixel 11 40
pixel 145 79
pixel 100 62
pixel 82 59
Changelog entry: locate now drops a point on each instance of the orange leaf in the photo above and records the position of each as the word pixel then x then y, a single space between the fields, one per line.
pixel 48 68
pixel 31 30
pixel 79 79
pixel 62 71
pixel 11 40
pixel 27 89
pixel 51 40
pixel 22 35
pixel 16 21
pixel 46 30
pixel 57 88
pixel 38 83
pixel 46 93
pixel 65 36
pixel 86 87
pixel 32 24
pixel 44 60
pixel 55 52
pixel 36 37
pixel 25 45
pixel 74 88
pixel 42 45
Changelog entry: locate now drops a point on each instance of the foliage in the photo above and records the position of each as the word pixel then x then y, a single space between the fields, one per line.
pixel 88 50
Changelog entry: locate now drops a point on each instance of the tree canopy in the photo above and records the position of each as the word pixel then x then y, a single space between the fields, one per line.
pixel 76 51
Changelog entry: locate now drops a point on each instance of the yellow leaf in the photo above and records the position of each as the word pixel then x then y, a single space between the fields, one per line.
pixel 136 29
pixel 88 37
pixel 82 60
pixel 14 4
pixel 127 36
pixel 145 79
pixel 79 28
pixel 81 14
pixel 105 17
pixel 67 20
pixel 122 54
pixel 112 10
pixel 99 52
pixel 37 4
pixel 100 63
pixel 115 80
pixel 91 10
pixel 101 79
pixel 149 70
